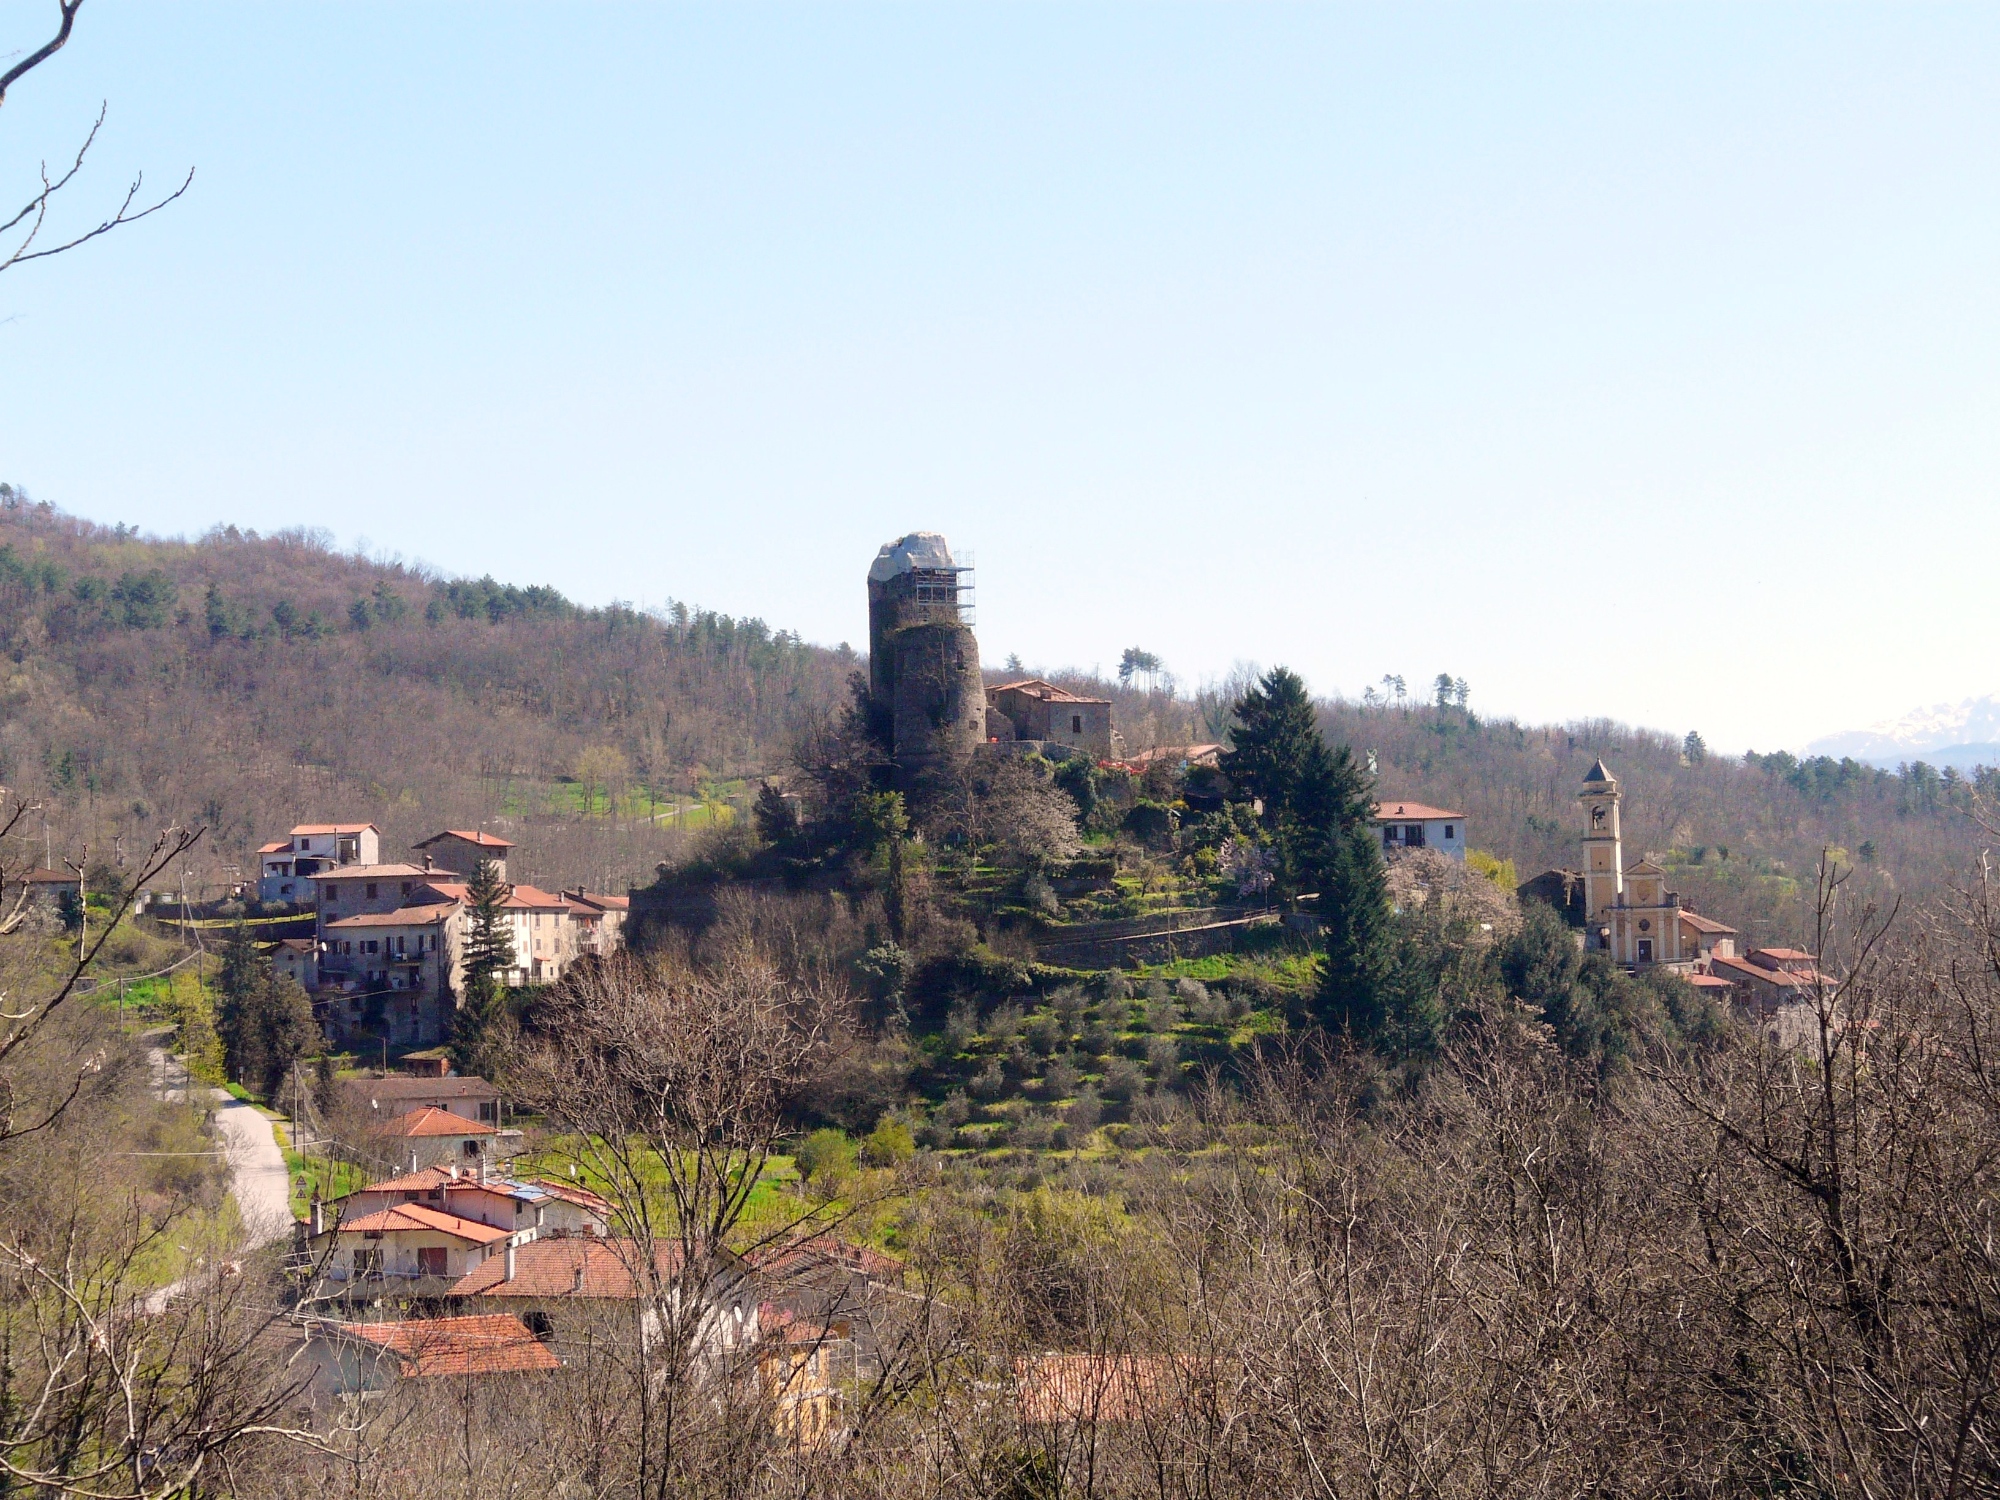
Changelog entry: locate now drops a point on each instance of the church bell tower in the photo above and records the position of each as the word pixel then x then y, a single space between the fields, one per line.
pixel 1603 853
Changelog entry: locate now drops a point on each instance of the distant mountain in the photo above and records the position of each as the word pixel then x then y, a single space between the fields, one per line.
pixel 1961 734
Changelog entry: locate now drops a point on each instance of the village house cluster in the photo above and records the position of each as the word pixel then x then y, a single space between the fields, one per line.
pixel 453 1265
pixel 386 958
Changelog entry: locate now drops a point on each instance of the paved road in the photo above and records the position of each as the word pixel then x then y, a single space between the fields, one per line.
pixel 257 1174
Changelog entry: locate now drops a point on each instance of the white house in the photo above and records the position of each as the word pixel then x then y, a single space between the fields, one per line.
pixel 286 864
pixel 1413 825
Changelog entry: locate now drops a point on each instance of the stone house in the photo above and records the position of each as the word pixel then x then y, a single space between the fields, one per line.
pixel 459 851
pixel 1041 712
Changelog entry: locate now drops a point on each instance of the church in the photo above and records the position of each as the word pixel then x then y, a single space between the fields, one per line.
pixel 1627 910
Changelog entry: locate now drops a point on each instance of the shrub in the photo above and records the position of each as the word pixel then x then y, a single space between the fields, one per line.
pixel 888 1143
pixel 824 1158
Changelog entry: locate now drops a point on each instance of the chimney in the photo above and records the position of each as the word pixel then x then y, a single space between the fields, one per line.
pixel 452 1171
pixel 577 1289
pixel 509 1276
pixel 427 864
pixel 318 1216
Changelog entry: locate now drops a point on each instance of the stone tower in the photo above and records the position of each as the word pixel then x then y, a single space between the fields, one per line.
pixel 1603 849
pixel 924 684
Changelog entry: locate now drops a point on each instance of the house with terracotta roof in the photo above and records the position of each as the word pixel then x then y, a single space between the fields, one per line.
pixel 411 1248
pixel 1049 718
pixel 527 1210
pixel 599 920
pixel 460 851
pixel 574 1209
pixel 344 1359
pixel 286 864
pixel 433 1137
pixel 565 1285
pixel 1417 825
pixel 461 1094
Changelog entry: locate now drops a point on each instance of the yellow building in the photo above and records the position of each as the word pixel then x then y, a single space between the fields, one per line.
pixel 1628 910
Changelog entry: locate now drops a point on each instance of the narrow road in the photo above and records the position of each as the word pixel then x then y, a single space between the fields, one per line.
pixel 257 1172
pixel 257 1175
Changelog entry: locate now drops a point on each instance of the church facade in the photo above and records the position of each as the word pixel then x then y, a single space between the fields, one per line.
pixel 1628 910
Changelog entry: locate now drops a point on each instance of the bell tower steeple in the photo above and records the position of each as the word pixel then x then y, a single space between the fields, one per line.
pixel 1603 849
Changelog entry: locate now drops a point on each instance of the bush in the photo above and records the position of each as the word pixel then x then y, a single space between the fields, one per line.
pixel 824 1158
pixel 888 1143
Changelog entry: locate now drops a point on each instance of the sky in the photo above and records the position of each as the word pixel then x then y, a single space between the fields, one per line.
pixel 1623 360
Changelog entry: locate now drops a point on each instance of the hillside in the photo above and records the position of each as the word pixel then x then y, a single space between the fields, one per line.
pixel 249 682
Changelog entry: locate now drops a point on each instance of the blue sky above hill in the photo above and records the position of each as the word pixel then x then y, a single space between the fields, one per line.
pixel 1634 361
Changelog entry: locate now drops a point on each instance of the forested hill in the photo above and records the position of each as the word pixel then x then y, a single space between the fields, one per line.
pixel 251 682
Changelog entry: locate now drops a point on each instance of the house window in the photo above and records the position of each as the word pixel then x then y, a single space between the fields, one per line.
pixel 368 1263
pixel 332 892
pixel 488 1111
pixel 1076 723
pixel 1448 833
pixel 406 888
pixel 371 890
pixel 430 1260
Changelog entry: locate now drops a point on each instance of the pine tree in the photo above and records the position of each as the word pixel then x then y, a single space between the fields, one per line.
pixel 244 977
pixel 1359 972
pixel 1272 740
pixel 483 1028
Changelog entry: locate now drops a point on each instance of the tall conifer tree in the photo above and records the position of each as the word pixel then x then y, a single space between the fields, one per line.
pixel 483 1027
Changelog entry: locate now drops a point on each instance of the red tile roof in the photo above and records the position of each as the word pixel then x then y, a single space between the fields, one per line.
pixel 579 1266
pixel 532 897
pixel 1707 982
pixel 49 877
pixel 1742 969
pixel 1048 692
pixel 470 835
pixel 1386 812
pixel 569 1192
pixel 277 846
pixel 1783 955
pixel 404 1217
pixel 1703 924
pixel 1090 1387
pixel 402 916
pixel 307 830
pixel 490 1344
pixel 432 1121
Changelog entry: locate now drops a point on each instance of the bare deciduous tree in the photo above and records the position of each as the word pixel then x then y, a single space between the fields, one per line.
pixel 32 217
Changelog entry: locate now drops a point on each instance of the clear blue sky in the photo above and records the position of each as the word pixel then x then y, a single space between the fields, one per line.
pixel 1623 360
